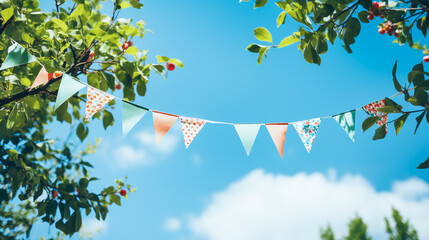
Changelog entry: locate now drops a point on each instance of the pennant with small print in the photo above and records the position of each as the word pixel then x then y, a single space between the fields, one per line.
pixel 95 101
pixel 372 110
pixel 190 128
pixel 307 131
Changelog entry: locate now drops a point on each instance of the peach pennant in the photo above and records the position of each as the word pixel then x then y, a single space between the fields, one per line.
pixel 162 122
pixel 41 79
pixel 278 134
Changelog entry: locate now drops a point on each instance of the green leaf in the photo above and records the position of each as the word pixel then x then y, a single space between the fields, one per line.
pixel 380 132
pixel 421 96
pixel 387 109
pixel 260 3
pixel 331 33
pixel 288 41
pixel 124 5
pixel 363 16
pixel 82 132
pixel 12 118
pixel 310 55
pixel 141 88
pixel 60 24
pixel 162 59
pixel 399 122
pixel 262 52
pixel 132 51
pixel 83 183
pixel 419 120
pixel 424 164
pixel 7 14
pixel 177 62
pixel 254 48
pixel 369 122
pixel 281 18
pixel 115 199
pixel 107 119
pixel 263 34
pixel 395 80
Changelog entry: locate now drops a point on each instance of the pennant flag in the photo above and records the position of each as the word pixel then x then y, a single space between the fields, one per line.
pixel 247 134
pixel 278 134
pixel 17 55
pixel 372 110
pixel 131 114
pixel 162 123
pixel 307 131
pixel 41 79
pixel 347 122
pixel 68 87
pixel 95 100
pixel 190 128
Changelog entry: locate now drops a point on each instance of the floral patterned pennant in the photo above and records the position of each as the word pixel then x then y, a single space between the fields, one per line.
pixel 372 110
pixel 95 101
pixel 190 128
pixel 307 131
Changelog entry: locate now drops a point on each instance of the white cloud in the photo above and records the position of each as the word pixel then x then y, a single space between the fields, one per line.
pixel 146 152
pixel 127 156
pixel 172 224
pixel 271 207
pixel 91 227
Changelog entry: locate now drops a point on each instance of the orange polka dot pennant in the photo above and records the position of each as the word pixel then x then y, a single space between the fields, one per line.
pixel 95 101
pixel 190 128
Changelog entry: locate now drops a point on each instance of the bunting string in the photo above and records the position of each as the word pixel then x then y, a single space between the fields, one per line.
pixel 132 113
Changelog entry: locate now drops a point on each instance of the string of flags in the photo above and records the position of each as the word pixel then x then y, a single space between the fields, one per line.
pixel 132 113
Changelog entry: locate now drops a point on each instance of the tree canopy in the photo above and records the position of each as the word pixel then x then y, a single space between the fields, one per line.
pixel 44 178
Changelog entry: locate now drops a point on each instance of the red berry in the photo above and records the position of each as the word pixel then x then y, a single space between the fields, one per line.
pixel 123 192
pixel 130 43
pixel 395 33
pixel 55 193
pixel 170 66
pixel 125 46
pixel 118 86
pixel 92 54
pixel 370 15
pixel 77 190
pixel 381 31
pixel 375 5
pixel 381 16
pixel 426 58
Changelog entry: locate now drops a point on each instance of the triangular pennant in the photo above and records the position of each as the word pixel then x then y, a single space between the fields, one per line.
pixel 372 110
pixel 162 122
pixel 347 122
pixel 247 134
pixel 68 87
pixel 131 114
pixel 42 78
pixel 278 134
pixel 190 128
pixel 95 100
pixel 17 55
pixel 307 131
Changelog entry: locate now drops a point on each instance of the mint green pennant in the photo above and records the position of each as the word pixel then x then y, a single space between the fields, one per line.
pixel 68 87
pixel 247 134
pixel 131 114
pixel 17 55
pixel 347 122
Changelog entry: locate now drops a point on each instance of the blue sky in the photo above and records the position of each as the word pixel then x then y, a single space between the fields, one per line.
pixel 212 190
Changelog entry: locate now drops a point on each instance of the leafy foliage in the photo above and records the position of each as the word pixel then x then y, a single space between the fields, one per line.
pixel 402 230
pixel 323 21
pixel 46 179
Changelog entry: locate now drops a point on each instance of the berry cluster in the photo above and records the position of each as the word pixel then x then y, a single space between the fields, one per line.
pixel 375 10
pixel 389 28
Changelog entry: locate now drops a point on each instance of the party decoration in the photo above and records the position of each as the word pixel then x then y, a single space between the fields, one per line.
pixel 278 134
pixel 247 134
pixel 41 79
pixel 17 55
pixel 347 122
pixel 372 110
pixel 68 87
pixel 190 128
pixel 162 123
pixel 131 114
pixel 307 131
pixel 95 101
